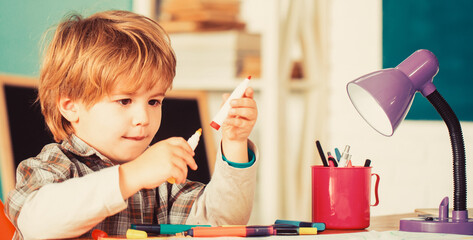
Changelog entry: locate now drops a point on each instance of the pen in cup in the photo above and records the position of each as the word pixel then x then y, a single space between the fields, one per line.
pixel 331 158
pixel 345 157
pixel 337 154
pixel 349 163
pixel 321 153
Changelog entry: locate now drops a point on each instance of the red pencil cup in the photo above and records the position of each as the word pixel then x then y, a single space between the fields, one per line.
pixel 341 196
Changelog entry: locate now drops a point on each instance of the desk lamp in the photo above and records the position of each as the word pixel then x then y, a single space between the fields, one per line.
pixel 383 99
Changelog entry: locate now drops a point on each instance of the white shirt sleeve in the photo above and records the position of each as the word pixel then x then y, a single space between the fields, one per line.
pixel 73 207
pixel 228 198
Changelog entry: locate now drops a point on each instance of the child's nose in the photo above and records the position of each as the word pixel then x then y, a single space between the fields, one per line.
pixel 140 116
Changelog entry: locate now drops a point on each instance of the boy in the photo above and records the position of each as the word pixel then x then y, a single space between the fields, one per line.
pixel 101 87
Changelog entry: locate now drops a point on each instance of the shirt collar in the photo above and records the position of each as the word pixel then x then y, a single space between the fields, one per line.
pixel 78 147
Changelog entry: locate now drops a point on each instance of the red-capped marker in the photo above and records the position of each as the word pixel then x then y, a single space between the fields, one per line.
pixel 223 113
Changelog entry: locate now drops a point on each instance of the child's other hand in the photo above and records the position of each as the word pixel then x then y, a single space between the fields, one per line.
pixel 165 159
pixel 241 117
pixel 237 127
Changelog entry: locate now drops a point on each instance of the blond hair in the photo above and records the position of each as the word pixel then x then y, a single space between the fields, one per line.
pixel 88 56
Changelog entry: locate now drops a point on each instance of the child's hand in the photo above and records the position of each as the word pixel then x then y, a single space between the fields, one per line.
pixel 237 127
pixel 165 159
pixel 241 117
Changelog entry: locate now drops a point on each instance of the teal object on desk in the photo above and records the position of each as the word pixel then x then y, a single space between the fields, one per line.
pixel 320 226
pixel 164 228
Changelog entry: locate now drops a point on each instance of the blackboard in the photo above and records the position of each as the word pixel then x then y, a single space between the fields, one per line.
pixel 446 29
pixel 28 131
pixel 183 113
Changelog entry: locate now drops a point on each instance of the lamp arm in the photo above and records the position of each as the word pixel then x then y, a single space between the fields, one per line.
pixel 458 148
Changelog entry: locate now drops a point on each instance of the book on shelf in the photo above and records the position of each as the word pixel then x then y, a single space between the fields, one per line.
pixel 230 7
pixel 200 15
pixel 193 26
pixel 215 56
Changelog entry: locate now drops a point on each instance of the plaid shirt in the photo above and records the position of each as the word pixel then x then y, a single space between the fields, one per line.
pixel 73 158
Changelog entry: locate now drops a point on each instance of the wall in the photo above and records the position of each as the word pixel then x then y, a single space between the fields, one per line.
pixel 415 164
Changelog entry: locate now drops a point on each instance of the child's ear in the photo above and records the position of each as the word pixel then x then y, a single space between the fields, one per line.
pixel 69 109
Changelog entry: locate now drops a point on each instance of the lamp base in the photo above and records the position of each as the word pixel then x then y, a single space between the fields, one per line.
pixel 459 223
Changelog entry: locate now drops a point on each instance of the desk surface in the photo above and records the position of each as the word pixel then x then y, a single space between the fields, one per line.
pixel 381 227
pixel 388 222
pixel 378 223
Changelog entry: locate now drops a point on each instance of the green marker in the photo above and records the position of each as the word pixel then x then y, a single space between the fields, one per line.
pixel 164 228
pixel 320 226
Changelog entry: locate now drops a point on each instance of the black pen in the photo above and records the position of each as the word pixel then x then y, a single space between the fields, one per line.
pixel 321 153
pixel 367 163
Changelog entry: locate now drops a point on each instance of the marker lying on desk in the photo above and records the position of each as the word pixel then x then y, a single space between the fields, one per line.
pixel 232 231
pixel 320 226
pixel 164 228
pixel 193 141
pixel 295 230
pixel 223 113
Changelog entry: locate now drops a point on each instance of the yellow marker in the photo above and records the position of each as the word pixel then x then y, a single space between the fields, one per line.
pixel 307 230
pixel 193 142
pixel 136 234
pixel 171 180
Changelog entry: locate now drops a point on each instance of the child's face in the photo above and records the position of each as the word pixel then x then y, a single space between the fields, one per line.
pixel 121 126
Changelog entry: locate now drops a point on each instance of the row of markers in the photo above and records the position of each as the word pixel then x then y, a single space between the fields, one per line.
pixel 340 159
pixel 280 227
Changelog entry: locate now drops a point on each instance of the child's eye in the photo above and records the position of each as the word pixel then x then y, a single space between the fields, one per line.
pixel 154 102
pixel 124 102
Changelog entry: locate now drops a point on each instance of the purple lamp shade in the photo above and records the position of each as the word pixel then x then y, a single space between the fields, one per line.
pixel 383 98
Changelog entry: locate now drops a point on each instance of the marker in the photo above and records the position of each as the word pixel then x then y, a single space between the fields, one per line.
pixel 193 141
pixel 290 229
pixel 295 231
pixel 136 234
pixel 337 154
pixel 320 226
pixel 367 163
pixel 331 163
pixel 331 158
pixel 321 153
pixel 164 228
pixel 223 113
pixel 232 231
pixel 349 164
pixel 344 159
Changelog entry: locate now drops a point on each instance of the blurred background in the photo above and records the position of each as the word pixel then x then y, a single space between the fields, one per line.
pixel 301 54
